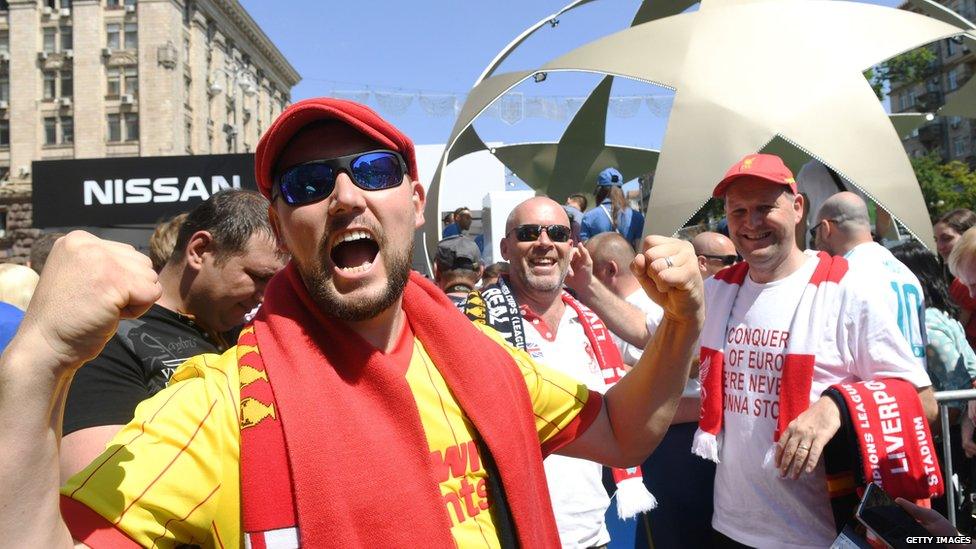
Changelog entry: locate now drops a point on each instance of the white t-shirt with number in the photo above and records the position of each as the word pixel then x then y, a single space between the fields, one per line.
pixel 579 500
pixel 901 286
pixel 752 504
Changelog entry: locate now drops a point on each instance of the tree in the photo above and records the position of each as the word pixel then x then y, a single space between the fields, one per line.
pixel 945 187
pixel 908 68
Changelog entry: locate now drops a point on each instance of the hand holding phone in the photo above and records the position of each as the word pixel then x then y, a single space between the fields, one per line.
pixel 887 520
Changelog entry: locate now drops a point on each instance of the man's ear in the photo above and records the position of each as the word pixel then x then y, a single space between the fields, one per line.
pixel 612 269
pixel 419 199
pixel 702 264
pixel 199 245
pixel 275 220
pixel 503 248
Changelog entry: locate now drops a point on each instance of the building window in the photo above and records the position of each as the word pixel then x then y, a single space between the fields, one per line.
pixel 115 40
pixel 67 129
pixel 59 130
pixel 131 123
pixel 952 79
pixel 67 40
pixel 113 36
pixel 131 36
pixel 123 81
pixel 4 41
pixel 959 147
pixel 51 84
pixel 4 133
pixel 50 39
pixel 50 130
pixel 67 84
pixel 4 6
pixel 114 82
pixel 131 80
pixel 123 127
pixel 114 127
pixel 188 135
pixel 119 3
pixel 4 87
pixel 186 51
pixel 903 102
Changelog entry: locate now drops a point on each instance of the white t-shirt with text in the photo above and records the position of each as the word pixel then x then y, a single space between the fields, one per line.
pixel 752 504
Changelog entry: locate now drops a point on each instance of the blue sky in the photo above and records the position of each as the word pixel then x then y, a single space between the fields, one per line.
pixel 438 47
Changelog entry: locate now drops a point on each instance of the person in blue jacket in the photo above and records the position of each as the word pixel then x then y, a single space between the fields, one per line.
pixel 612 211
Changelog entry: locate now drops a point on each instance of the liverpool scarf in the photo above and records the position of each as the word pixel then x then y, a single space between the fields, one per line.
pixel 808 322
pixel 884 438
pixel 496 306
pixel 333 449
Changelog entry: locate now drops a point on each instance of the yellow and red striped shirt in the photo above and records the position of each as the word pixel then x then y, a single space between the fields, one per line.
pixel 171 476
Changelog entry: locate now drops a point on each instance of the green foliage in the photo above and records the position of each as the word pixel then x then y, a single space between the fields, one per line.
pixel 909 67
pixel 945 187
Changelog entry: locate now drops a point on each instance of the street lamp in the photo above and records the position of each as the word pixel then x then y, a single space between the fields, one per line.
pixel 238 79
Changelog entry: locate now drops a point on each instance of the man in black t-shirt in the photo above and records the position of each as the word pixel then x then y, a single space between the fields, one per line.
pixel 224 256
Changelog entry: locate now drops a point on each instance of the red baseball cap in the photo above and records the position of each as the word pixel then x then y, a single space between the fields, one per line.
pixel 303 113
pixel 764 166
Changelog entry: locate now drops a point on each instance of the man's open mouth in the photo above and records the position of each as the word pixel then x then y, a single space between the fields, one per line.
pixel 354 251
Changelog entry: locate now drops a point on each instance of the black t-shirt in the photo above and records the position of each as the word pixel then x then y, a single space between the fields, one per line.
pixel 134 365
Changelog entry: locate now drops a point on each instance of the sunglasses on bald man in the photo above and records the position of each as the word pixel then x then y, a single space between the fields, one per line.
pixel 312 181
pixel 532 232
pixel 723 259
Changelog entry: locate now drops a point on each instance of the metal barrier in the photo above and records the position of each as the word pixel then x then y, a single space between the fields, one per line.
pixel 941 398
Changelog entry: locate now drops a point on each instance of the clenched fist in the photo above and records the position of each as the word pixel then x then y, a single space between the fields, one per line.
pixel 87 286
pixel 667 269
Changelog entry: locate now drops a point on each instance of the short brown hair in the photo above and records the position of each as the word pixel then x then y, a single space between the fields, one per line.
pixel 163 240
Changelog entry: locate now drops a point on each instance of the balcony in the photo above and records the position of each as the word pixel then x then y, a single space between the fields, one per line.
pixel 931 133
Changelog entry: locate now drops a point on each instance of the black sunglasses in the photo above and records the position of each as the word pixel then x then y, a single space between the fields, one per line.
pixel 315 180
pixel 723 259
pixel 813 230
pixel 532 232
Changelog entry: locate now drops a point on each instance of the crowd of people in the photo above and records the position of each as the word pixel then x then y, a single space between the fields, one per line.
pixel 276 375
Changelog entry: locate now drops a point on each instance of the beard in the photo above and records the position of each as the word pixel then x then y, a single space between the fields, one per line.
pixel 356 308
pixel 542 284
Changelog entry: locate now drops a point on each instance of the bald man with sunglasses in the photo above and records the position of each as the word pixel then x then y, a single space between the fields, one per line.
pixel 715 252
pixel 359 409
pixel 560 332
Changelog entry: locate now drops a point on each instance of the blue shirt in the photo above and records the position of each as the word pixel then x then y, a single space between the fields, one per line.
pixel 450 230
pixel 10 318
pixel 630 223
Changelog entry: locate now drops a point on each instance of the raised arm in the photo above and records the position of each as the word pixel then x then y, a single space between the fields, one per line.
pixel 87 286
pixel 639 408
pixel 621 318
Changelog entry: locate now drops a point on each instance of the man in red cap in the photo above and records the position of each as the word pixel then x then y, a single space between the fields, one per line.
pixel 360 408
pixel 782 327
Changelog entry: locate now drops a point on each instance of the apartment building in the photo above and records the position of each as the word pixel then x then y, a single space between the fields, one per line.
pixel 952 138
pixel 86 79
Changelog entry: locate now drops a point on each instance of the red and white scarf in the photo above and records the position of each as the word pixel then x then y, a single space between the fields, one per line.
pixel 496 306
pixel 333 450
pixel 808 322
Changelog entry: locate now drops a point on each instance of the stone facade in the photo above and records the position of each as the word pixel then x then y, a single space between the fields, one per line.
pixel 127 78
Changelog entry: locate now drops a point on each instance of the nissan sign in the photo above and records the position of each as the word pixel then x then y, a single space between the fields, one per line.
pixel 106 192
